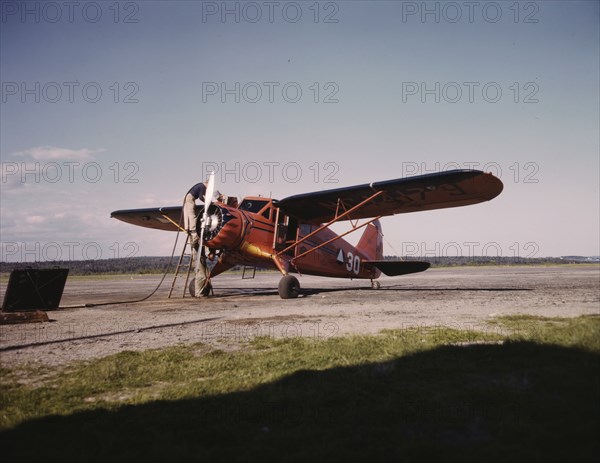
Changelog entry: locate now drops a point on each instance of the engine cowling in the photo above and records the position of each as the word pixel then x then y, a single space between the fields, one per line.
pixel 224 229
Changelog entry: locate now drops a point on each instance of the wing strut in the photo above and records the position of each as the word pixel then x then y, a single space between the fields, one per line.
pixel 172 221
pixel 354 228
pixel 335 219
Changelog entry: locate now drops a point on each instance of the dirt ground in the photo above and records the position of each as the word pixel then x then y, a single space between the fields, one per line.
pixel 463 298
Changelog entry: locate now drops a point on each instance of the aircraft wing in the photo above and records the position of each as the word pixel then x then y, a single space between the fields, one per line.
pixel 151 217
pixel 411 194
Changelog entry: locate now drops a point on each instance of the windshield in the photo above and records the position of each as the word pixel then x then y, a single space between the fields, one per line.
pixel 252 205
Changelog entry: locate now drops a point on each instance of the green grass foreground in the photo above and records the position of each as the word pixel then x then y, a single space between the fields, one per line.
pixel 405 395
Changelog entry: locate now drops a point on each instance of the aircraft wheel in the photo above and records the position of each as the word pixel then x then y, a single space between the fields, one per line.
pixel 289 287
pixel 205 290
pixel 375 284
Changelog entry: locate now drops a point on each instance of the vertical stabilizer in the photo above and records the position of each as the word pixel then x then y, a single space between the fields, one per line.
pixel 371 242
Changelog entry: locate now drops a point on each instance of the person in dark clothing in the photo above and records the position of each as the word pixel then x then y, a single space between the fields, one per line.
pixel 198 191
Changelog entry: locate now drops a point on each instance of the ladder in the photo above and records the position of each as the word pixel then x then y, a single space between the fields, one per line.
pixel 251 269
pixel 186 251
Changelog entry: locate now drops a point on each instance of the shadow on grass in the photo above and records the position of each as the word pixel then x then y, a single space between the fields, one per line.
pixel 517 401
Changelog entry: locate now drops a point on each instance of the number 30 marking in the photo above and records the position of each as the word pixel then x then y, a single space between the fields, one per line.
pixel 353 264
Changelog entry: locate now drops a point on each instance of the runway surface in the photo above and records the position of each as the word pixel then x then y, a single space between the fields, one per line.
pixel 463 298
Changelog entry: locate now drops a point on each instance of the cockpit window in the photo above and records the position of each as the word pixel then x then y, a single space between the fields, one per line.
pixel 252 205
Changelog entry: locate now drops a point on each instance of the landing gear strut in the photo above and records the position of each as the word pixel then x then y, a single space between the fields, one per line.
pixel 289 287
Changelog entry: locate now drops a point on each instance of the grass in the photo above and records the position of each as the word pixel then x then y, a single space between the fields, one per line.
pixel 581 332
pixel 413 394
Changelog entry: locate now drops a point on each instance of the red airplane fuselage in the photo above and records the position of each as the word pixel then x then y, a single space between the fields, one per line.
pixel 257 233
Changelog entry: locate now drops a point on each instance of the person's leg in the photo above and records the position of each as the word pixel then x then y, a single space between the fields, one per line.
pixel 189 221
pixel 201 279
pixel 189 213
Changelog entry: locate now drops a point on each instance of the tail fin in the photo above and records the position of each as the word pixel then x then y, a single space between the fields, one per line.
pixel 371 246
pixel 371 242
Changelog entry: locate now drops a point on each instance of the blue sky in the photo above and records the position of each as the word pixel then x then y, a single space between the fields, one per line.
pixel 109 106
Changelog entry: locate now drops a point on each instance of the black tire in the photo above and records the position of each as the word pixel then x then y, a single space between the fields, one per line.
pixel 289 287
pixel 205 290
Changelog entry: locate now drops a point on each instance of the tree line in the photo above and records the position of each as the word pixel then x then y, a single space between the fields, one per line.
pixel 158 265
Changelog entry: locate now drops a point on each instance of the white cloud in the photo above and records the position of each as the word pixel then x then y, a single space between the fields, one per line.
pixel 44 153
pixel 35 219
pixel 151 200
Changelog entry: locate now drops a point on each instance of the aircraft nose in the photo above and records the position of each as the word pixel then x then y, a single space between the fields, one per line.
pixel 225 228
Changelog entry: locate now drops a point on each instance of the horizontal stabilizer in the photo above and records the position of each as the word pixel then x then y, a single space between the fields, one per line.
pixel 394 268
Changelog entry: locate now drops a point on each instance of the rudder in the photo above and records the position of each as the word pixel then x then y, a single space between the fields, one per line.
pixel 371 242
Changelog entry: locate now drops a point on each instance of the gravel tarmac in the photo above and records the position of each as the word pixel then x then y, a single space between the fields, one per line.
pixel 464 298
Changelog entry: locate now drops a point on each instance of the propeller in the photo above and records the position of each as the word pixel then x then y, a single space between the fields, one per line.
pixel 208 198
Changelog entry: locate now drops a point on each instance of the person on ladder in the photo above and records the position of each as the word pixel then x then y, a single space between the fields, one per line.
pixel 198 191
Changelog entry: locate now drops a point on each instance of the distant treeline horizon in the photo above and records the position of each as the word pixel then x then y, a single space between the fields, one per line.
pixel 158 265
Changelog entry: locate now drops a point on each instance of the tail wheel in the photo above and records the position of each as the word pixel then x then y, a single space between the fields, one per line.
pixel 289 287
pixel 375 284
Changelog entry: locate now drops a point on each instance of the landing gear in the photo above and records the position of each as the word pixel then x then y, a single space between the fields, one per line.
pixel 289 287
pixel 375 284
pixel 205 290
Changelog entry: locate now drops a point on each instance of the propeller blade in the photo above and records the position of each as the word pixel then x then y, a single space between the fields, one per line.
pixel 210 189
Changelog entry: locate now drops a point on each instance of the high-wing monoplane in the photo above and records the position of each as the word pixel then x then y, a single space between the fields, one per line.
pixel 292 235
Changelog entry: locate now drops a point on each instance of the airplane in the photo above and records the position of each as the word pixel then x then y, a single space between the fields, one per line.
pixel 292 235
